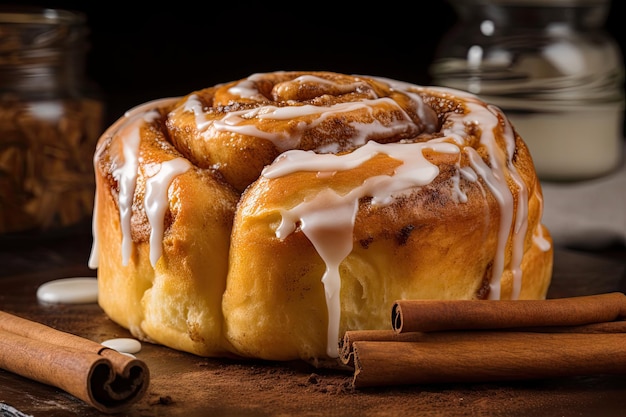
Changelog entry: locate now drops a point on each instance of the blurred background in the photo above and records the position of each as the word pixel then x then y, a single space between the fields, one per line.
pixel 141 52
pixel 144 51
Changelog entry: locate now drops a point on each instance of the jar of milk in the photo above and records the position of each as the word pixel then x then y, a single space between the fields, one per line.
pixel 550 66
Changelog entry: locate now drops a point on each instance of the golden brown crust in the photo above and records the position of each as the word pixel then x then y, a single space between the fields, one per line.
pixel 227 283
pixel 176 302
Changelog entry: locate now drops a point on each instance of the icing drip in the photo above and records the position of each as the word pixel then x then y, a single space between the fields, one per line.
pixel 327 221
pixel 125 172
pixel 495 176
pixel 126 176
pixel 521 226
pixel 328 218
pixel 504 198
pixel 538 236
pixel 156 201
pixel 95 231
pixel 414 172
pixel 521 216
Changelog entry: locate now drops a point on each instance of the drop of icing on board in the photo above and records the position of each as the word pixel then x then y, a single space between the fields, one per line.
pixel 123 345
pixel 79 290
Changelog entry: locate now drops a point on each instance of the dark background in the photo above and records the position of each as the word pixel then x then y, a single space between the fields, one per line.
pixel 139 52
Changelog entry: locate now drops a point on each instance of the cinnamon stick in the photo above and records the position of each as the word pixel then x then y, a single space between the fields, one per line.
pixel 439 315
pixel 480 356
pixel 102 377
pixel 346 352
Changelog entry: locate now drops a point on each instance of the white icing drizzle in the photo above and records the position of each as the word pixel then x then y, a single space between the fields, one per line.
pixel 495 176
pixel 521 226
pixel 327 219
pixel 125 172
pixel 247 89
pixel 540 240
pixel 415 172
pixel 95 231
pixel 538 237
pixel 341 88
pixel 156 201
pixel 323 221
pixel 521 219
pixel 237 122
pixel 126 176
pixel 504 198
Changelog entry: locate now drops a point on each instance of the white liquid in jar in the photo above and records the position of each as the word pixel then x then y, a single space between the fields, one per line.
pixel 572 145
pixel 559 81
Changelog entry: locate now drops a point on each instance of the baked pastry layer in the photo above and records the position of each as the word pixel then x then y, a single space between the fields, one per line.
pixel 266 216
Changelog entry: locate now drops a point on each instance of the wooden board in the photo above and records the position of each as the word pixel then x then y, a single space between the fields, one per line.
pixel 189 386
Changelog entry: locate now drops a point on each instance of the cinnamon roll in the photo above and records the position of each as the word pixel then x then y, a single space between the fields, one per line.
pixel 264 217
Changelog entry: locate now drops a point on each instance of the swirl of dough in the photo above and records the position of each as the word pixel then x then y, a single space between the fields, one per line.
pixel 265 217
pixel 242 126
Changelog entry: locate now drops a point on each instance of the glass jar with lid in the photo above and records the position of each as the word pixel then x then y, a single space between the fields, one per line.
pixel 551 67
pixel 50 119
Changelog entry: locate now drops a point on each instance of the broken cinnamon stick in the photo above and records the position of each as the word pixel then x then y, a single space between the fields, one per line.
pixel 102 377
pixel 439 315
pixel 481 356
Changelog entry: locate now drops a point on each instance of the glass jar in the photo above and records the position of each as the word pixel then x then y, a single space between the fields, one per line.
pixel 550 66
pixel 50 119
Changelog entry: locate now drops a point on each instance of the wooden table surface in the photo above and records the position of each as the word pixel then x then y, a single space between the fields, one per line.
pixel 186 385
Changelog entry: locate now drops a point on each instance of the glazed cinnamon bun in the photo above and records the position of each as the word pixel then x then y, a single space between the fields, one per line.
pixel 264 217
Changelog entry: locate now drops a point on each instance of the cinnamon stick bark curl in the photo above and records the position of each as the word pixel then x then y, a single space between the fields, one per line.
pixel 104 378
